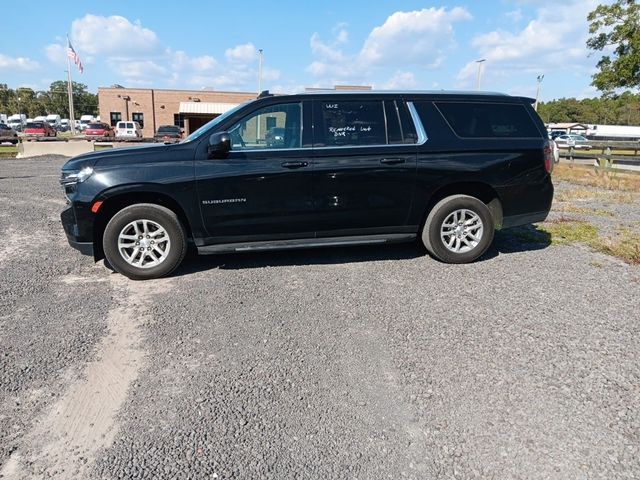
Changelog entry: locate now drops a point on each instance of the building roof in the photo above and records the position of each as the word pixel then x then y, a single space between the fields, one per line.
pixel 208 108
pixel 576 126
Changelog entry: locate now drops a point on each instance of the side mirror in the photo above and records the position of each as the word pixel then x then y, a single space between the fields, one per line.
pixel 219 145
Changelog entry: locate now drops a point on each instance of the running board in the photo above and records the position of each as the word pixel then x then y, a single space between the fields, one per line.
pixel 306 243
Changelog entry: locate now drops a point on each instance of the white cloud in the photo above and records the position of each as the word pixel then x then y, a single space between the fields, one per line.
pixel 514 16
pixel 420 38
pixel 401 80
pixel 246 53
pixel 56 53
pixel 114 35
pixel 22 64
pixel 552 42
pixel 138 69
pixel 181 61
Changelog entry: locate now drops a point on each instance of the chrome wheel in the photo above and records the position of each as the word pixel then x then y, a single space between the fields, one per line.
pixel 144 243
pixel 461 231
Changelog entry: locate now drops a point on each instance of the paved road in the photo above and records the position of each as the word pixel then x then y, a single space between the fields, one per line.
pixel 338 363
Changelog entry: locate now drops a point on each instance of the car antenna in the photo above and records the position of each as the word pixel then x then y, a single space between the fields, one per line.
pixel 265 93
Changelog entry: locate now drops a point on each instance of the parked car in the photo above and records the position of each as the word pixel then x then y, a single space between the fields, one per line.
pixel 556 133
pixel 128 130
pixel 168 133
pixel 8 134
pixel 39 129
pixel 99 131
pixel 572 140
pixel 366 173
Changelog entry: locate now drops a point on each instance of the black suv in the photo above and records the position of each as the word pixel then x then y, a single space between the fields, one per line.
pixel 350 168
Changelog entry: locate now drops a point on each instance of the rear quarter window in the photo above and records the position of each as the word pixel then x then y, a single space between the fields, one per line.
pixel 488 120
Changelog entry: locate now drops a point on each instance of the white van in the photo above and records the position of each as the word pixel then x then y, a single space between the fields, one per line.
pixel 53 120
pixel 128 130
pixel 40 118
pixel 86 120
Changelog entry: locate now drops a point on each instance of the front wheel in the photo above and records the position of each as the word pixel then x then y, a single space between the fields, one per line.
pixel 458 229
pixel 144 241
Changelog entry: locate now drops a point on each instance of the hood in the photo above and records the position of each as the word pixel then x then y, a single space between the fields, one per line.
pixel 114 155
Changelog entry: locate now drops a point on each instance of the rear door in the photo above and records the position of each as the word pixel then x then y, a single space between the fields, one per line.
pixel 364 166
pixel 262 189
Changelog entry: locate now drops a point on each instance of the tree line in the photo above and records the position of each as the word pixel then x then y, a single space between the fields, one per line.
pixel 623 109
pixel 43 102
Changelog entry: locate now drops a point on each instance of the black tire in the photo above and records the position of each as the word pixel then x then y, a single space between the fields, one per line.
pixel 431 232
pixel 157 214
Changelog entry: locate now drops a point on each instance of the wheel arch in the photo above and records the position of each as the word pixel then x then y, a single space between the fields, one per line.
pixel 115 201
pixel 482 191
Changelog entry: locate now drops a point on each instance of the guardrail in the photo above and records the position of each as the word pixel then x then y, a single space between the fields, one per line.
pixel 609 154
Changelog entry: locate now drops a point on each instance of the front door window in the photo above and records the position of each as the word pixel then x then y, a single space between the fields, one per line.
pixel 274 127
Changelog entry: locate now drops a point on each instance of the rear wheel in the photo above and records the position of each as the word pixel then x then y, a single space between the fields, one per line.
pixel 459 229
pixel 144 241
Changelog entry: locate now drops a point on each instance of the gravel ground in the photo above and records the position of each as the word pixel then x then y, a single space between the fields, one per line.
pixel 333 363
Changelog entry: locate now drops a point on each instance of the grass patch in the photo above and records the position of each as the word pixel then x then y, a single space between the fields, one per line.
pixel 565 231
pixel 625 245
pixel 8 151
pixel 594 177
pixel 586 211
pixel 611 196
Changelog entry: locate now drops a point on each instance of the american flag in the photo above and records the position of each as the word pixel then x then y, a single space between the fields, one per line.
pixel 71 53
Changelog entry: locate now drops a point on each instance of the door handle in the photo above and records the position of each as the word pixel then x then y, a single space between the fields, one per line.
pixel 294 164
pixel 392 161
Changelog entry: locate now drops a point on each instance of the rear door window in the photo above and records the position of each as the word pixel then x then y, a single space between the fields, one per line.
pixel 488 120
pixel 349 123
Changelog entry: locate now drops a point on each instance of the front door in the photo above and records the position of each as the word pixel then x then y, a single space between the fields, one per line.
pixel 262 189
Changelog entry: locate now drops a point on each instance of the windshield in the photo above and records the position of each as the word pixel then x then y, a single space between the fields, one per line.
pixel 198 133
pixel 169 129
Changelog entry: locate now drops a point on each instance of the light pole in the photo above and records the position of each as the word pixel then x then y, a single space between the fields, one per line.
pixel 479 62
pixel 539 78
pixel 259 71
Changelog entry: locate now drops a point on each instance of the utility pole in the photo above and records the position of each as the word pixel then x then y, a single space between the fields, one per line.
pixel 259 71
pixel 479 62
pixel 539 78
pixel 259 90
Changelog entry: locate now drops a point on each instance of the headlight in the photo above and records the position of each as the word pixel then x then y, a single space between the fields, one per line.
pixel 72 178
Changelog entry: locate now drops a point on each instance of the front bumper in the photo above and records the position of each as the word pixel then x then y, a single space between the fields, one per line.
pixel 77 238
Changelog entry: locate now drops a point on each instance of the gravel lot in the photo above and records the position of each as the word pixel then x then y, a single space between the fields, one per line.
pixel 334 363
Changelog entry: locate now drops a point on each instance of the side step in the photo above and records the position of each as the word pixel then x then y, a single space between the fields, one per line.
pixel 306 243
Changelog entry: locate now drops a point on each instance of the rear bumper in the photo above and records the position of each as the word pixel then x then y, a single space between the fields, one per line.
pixel 525 219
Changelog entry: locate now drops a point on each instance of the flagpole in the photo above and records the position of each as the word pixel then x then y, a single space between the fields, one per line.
pixel 70 92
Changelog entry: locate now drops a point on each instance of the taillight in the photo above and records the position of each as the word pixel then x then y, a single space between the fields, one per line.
pixel 548 157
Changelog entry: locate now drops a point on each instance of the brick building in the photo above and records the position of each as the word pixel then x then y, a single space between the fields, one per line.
pixel 152 108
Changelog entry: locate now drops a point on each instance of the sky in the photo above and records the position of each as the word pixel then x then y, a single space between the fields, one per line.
pixel 406 44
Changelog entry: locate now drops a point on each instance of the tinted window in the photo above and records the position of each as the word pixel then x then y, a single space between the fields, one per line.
pixel 409 133
pixel 488 120
pixel 95 126
pixel 169 129
pixel 138 117
pixel 351 123
pixel 129 125
pixel 115 118
pixel 394 132
pixel 35 125
pixel 277 126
